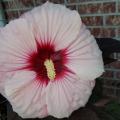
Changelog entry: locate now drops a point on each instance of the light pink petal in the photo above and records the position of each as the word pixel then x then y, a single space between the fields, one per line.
pixel 26 95
pixel 84 56
pixel 66 95
pixel 3 77
pixel 54 23
pixel 16 43
pixel 1 28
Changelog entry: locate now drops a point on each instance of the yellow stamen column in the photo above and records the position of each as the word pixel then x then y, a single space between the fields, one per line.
pixel 49 65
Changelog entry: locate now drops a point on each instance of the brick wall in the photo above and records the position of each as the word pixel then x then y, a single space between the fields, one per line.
pixel 102 17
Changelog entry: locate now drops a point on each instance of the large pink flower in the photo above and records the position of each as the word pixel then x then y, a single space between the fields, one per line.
pixel 48 62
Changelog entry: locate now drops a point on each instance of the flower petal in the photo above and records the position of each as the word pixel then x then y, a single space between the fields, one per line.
pixel 85 57
pixel 54 23
pixel 66 95
pixel 26 95
pixel 16 43
pixel 57 25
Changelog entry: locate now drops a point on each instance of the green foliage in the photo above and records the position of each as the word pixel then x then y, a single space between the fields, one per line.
pixel 113 108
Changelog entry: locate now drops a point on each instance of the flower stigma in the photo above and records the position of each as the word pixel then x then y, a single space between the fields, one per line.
pixel 49 65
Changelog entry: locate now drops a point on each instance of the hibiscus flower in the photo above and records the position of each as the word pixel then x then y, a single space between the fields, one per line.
pixel 48 62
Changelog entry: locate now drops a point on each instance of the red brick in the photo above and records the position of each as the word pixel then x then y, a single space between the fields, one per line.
pixel 9 5
pixel 107 66
pixel 90 8
pixel 109 32
pixel 113 20
pixel 97 32
pixel 109 7
pixel 119 7
pixel 18 4
pixel 115 65
pixel 12 15
pixel 93 20
pixel 26 3
pixel 108 74
pixel 118 75
pixel 103 32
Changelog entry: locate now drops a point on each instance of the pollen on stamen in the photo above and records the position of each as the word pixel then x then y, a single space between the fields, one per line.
pixel 50 69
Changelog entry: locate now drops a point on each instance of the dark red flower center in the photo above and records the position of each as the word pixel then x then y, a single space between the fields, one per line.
pixel 47 52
